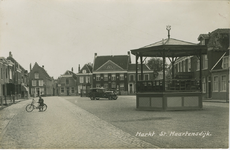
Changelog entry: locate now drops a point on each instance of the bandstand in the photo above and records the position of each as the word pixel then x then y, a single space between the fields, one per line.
pixel 182 91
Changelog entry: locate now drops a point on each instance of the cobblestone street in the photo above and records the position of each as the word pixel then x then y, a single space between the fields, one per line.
pixel 63 125
pixel 78 122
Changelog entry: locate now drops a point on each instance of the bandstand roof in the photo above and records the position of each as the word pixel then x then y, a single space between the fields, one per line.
pixel 171 47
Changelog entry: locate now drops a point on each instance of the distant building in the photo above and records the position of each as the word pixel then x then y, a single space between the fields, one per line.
pixel 67 84
pixel 110 72
pixel 84 79
pixel 147 74
pixel 40 82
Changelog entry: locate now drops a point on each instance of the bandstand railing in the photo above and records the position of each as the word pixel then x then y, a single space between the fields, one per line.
pixel 180 85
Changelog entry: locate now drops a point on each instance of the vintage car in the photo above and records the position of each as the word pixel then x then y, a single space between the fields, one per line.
pixel 97 93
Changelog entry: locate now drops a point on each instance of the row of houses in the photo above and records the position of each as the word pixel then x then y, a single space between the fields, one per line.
pixel 114 72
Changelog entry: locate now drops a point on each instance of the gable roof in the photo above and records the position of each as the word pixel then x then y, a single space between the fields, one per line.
pixel 132 67
pixel 41 69
pixel 87 68
pixel 204 36
pixel 120 60
pixel 108 66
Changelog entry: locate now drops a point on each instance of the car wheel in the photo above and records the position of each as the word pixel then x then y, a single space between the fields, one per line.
pixel 114 97
pixel 97 98
pixel 92 98
pixel 109 98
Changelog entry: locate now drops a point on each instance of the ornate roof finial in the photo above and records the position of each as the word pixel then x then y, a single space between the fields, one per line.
pixel 168 27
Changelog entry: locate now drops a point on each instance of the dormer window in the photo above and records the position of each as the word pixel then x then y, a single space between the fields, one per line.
pixel 225 62
pixel 36 75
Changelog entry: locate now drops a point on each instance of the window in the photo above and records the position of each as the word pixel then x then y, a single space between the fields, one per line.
pixel 225 62
pixel 67 81
pixel 6 73
pixel 197 64
pixel 98 77
pixel 183 66
pixel 139 77
pixel 36 75
pixel 62 90
pixel 41 90
pixel 81 79
pixel 131 78
pixel 215 84
pixel 113 77
pixel 34 82
pixel 146 77
pixel 122 87
pixel 88 79
pixel 180 66
pixel 204 85
pixel 72 89
pixel 114 85
pixel 10 74
pixel 121 76
pixel 83 71
pixel 223 83
pixel 189 64
pixel 205 62
pixel 40 82
pixel 105 77
pixel 32 91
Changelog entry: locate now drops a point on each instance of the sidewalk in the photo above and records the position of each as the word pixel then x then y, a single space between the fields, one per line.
pixel 10 102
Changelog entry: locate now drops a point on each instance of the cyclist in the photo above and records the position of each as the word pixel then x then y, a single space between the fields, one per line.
pixel 41 103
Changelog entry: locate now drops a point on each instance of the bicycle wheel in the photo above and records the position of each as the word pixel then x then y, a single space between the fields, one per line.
pixel 29 108
pixel 44 107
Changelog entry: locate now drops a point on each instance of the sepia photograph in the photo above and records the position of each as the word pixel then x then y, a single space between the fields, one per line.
pixel 114 74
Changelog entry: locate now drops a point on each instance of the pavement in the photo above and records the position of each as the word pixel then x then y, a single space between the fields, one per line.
pixel 86 124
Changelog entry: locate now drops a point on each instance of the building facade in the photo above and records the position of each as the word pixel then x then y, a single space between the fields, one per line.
pixel 67 84
pixel 215 65
pixel 40 82
pixel 147 75
pixel 84 79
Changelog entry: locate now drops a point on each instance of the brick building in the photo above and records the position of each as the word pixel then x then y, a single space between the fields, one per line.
pixel 67 84
pixel 215 65
pixel 40 82
pixel 84 79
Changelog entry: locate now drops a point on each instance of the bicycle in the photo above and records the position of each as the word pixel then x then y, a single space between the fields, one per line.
pixel 31 107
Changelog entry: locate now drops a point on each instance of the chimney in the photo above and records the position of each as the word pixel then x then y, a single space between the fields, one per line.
pixel 10 54
pixel 79 68
pixel 72 69
pixel 128 53
pixel 95 54
pixel 42 66
pixel 30 67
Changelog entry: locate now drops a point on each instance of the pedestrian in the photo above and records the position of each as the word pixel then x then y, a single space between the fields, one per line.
pixel 41 103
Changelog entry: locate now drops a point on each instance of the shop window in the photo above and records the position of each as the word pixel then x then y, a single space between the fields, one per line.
pixel 113 85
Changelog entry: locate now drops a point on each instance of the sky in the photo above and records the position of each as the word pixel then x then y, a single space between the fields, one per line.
pixel 61 34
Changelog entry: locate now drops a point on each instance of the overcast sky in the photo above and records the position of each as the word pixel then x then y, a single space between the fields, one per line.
pixel 61 34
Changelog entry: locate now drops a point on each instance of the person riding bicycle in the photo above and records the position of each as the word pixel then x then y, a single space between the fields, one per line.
pixel 41 103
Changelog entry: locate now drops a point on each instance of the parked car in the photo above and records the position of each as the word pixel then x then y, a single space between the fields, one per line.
pixel 97 93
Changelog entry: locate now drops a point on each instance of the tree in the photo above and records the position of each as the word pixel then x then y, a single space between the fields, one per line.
pixel 156 64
